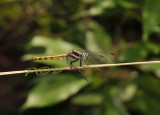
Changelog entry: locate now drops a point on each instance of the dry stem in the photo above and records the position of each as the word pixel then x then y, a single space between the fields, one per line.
pixel 85 66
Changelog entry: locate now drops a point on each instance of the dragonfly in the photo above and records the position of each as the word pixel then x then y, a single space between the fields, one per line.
pixel 82 56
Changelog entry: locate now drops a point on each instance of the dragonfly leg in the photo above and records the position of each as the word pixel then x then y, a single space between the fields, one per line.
pixel 80 62
pixel 71 62
pixel 83 75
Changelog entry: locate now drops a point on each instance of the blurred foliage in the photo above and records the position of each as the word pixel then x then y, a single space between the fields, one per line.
pixel 51 90
pixel 127 28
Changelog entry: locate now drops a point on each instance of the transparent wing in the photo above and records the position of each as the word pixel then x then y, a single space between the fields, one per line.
pixel 100 57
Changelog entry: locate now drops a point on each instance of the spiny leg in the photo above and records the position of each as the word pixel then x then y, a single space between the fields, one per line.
pixel 83 75
pixel 71 62
pixel 71 65
pixel 80 62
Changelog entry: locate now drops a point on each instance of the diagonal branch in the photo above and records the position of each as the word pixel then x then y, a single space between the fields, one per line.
pixel 85 66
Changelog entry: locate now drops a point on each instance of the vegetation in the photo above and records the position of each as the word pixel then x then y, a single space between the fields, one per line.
pixel 127 28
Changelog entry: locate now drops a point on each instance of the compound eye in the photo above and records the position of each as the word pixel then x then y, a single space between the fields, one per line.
pixel 84 55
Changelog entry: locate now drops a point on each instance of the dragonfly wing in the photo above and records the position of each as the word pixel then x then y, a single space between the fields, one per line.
pixel 100 57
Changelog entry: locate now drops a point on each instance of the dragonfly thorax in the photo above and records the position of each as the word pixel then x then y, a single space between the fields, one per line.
pixel 75 54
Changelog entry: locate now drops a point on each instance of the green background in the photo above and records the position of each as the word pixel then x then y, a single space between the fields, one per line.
pixel 127 28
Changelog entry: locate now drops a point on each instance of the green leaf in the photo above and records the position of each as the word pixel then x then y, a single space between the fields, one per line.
pixel 128 92
pixel 147 96
pixel 53 90
pixel 134 53
pixel 97 38
pixel 151 47
pixel 127 4
pixel 87 99
pixel 151 17
pixel 98 7
pixel 113 103
pixel 151 68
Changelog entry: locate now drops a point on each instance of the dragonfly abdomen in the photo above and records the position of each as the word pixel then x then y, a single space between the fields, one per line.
pixel 63 56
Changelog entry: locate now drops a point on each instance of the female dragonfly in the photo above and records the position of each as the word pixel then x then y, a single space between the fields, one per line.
pixel 75 56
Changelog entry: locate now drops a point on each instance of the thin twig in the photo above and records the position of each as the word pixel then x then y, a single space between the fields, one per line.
pixel 82 67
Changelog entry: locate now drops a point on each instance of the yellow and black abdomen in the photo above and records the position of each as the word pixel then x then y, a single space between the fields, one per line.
pixel 63 56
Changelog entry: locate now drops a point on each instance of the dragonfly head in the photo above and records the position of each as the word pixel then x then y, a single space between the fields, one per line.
pixel 85 55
